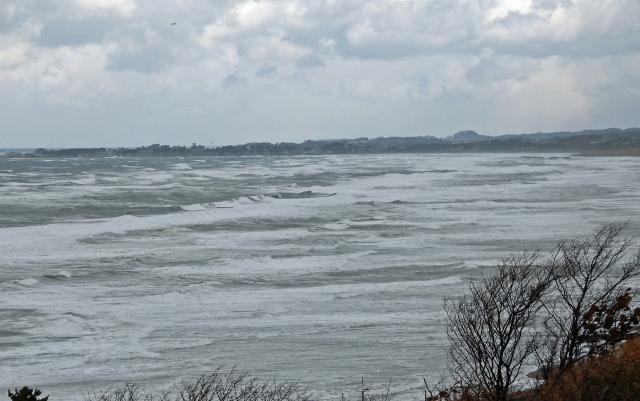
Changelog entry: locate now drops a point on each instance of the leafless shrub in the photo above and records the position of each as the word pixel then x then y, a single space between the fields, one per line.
pixel 130 391
pixel 366 394
pixel 550 313
pixel 589 272
pixel 216 386
pixel 238 386
pixel 492 330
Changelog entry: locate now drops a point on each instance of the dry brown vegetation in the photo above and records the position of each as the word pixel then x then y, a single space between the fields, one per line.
pixel 612 375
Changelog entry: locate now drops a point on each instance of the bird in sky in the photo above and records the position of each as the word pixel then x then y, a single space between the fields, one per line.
pixel 173 23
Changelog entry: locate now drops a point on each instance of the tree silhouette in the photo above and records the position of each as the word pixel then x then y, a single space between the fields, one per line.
pixel 26 394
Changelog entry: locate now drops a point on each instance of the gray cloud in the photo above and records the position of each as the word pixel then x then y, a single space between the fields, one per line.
pixel 342 68
pixel 233 80
pixel 266 70
pixel 144 60
pixel 310 61
pixel 63 32
pixel 591 47
pixel 490 70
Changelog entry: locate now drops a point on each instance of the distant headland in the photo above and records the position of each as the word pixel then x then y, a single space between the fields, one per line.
pixel 605 142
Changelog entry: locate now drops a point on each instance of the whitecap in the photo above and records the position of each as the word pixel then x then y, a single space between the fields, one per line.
pixel 336 226
pixel 343 291
pixel 224 205
pixel 194 207
pixel 89 179
pixel 182 166
pixel 28 281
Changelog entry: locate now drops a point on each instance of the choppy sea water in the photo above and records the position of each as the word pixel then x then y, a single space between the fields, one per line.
pixel 323 269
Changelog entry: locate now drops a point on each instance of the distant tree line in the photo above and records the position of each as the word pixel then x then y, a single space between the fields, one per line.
pixel 610 141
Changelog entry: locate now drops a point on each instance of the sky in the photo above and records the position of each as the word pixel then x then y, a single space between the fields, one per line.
pixel 88 73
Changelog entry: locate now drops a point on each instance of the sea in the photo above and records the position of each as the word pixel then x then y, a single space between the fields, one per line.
pixel 328 270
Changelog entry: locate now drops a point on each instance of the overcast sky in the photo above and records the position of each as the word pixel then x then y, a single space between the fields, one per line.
pixel 118 73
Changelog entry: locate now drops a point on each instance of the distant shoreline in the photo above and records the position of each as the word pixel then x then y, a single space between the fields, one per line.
pixel 607 142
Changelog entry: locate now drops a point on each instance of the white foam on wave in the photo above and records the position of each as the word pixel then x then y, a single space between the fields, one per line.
pixel 89 179
pixel 441 210
pixel 477 264
pixel 158 285
pixel 230 204
pixel 60 240
pixel 182 166
pixel 154 177
pixel 191 208
pixel 28 282
pixel 353 290
pixel 197 178
pixel 269 267
pixel 372 221
pixel 343 225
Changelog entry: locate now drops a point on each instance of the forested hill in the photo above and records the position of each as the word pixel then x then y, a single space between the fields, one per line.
pixel 612 141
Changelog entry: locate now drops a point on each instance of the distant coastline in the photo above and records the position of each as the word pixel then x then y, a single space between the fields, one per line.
pixel 606 142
